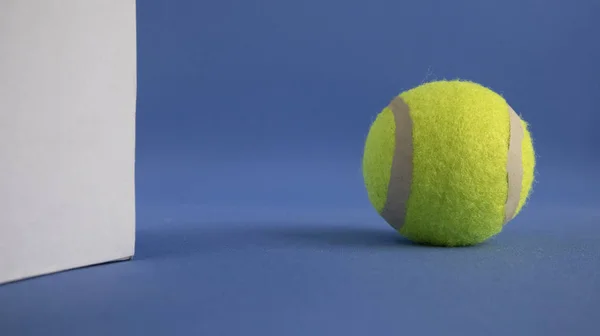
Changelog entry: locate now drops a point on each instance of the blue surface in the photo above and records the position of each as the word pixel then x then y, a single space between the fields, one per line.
pixel 252 215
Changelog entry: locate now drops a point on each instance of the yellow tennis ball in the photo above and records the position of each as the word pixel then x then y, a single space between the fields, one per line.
pixel 448 163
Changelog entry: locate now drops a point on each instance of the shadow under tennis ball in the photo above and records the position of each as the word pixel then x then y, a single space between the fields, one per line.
pixel 189 239
pixel 343 236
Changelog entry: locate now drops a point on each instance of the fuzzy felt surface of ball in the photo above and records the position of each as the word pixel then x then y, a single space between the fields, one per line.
pixel 448 163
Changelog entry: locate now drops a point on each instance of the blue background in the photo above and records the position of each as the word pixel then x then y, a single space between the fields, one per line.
pixel 252 215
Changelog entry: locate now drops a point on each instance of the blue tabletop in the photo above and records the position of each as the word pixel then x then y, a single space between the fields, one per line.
pixel 336 268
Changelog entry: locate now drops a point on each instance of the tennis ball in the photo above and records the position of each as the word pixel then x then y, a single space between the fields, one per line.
pixel 448 163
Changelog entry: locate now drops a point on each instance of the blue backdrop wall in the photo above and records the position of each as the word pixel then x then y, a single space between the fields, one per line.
pixel 252 214
pixel 234 94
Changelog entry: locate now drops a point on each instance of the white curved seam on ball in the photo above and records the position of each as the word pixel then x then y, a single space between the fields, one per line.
pixel 395 208
pixel 514 166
